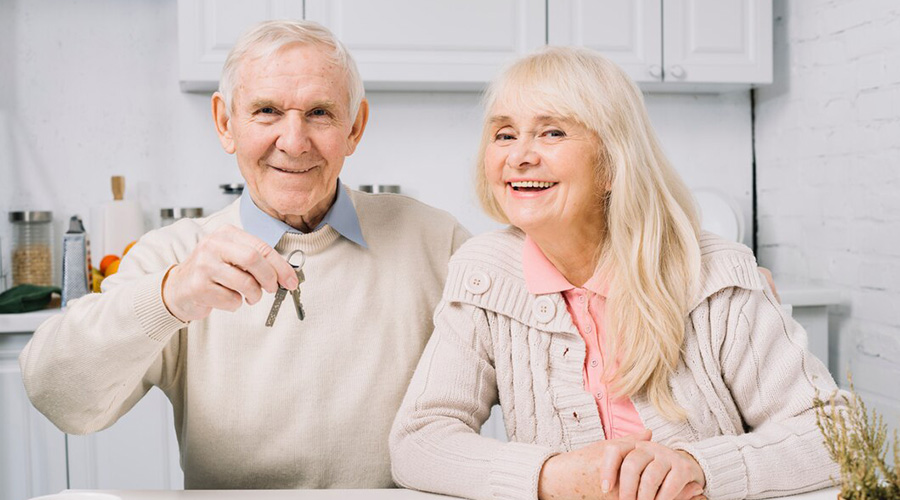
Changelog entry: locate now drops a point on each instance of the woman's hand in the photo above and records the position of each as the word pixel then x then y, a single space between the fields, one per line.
pixel 654 471
pixel 589 472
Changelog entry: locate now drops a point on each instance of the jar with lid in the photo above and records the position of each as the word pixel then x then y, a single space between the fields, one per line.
pixel 166 216
pixel 32 248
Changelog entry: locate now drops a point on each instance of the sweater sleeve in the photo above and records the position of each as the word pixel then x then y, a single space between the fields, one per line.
pixel 435 445
pixel 86 367
pixel 772 378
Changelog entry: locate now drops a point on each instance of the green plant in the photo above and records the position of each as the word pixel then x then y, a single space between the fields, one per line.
pixel 857 440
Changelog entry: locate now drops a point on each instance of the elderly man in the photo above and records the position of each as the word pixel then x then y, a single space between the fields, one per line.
pixel 306 402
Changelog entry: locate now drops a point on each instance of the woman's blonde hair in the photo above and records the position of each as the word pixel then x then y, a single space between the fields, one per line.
pixel 651 253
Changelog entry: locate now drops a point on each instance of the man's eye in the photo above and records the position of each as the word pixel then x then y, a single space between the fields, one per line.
pixel 318 112
pixel 268 110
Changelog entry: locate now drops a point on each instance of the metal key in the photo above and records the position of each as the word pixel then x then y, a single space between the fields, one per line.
pixel 295 294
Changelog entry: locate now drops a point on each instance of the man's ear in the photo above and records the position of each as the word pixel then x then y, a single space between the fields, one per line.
pixel 359 126
pixel 223 123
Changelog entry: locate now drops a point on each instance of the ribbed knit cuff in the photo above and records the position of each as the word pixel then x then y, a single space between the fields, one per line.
pixel 516 470
pixel 155 319
pixel 723 465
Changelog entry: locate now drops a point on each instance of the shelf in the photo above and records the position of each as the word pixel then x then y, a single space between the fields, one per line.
pixel 25 322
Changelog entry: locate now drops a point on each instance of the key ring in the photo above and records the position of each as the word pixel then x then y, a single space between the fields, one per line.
pixel 302 261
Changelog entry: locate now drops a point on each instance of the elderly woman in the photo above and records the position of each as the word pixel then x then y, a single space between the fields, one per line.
pixel 632 356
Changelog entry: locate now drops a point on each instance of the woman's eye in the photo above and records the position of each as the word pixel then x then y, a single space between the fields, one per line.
pixel 504 137
pixel 555 133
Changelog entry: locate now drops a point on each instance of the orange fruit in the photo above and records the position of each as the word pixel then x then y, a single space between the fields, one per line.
pixel 128 248
pixel 112 267
pixel 106 261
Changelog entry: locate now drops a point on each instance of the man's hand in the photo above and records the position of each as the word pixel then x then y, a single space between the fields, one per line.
pixel 227 267
pixel 590 472
pixel 654 471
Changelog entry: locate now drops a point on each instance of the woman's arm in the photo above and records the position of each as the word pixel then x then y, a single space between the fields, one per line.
pixel 435 445
pixel 761 355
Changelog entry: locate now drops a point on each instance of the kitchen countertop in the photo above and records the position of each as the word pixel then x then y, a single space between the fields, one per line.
pixel 25 322
pixel 386 494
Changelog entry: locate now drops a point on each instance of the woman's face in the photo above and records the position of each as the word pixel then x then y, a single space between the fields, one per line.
pixel 541 170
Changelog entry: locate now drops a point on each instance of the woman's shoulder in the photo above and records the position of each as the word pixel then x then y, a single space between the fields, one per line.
pixel 501 246
pixel 725 264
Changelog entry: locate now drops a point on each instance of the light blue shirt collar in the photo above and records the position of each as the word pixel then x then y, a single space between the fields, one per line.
pixel 341 217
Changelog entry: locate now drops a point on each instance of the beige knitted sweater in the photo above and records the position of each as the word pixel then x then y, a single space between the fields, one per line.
pixel 745 378
pixel 300 405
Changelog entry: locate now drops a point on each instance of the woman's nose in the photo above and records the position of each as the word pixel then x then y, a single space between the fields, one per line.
pixel 293 136
pixel 523 154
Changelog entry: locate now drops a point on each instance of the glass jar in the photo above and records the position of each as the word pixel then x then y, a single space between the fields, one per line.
pixel 191 212
pixel 166 216
pixel 32 248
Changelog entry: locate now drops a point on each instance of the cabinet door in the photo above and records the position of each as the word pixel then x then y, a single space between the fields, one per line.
pixel 438 44
pixel 720 41
pixel 207 29
pixel 32 450
pixel 629 32
pixel 140 451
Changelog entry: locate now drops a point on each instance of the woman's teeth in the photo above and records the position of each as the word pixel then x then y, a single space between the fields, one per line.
pixel 531 185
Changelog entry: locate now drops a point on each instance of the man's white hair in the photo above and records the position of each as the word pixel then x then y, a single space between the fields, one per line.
pixel 268 37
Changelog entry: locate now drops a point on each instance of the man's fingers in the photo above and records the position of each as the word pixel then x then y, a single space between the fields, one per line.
pixel 253 255
pixel 240 281
pixel 219 297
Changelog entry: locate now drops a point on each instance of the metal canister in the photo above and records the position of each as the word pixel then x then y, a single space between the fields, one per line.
pixel 32 248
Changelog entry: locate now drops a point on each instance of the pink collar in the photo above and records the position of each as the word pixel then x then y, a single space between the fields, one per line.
pixel 542 277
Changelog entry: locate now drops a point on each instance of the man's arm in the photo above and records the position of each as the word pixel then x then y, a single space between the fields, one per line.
pixel 86 367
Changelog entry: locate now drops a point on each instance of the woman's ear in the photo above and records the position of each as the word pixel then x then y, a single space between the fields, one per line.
pixel 222 118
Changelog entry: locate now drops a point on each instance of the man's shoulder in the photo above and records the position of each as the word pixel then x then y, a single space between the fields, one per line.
pixel 398 217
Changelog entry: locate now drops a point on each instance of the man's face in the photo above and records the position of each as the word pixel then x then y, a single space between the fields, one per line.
pixel 291 130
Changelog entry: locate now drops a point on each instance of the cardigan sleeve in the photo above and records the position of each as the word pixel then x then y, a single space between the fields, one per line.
pixel 434 443
pixel 86 367
pixel 772 378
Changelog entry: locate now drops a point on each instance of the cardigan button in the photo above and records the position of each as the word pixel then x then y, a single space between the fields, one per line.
pixel 478 282
pixel 544 309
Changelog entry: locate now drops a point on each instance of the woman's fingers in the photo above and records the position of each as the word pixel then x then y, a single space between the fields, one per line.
pixel 652 478
pixel 616 450
pixel 630 473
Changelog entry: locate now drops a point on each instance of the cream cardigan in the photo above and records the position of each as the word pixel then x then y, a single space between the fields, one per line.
pixel 745 378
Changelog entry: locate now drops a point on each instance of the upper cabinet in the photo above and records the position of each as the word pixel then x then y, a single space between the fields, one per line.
pixel 207 29
pixel 463 44
pixel 673 44
pixel 445 44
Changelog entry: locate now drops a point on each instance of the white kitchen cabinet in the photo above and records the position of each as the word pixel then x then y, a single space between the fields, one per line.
pixel 207 29
pixel 444 44
pixel 32 450
pixel 140 451
pixel 629 32
pixel 673 44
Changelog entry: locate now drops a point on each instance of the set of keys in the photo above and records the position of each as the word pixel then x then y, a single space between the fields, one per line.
pixel 295 294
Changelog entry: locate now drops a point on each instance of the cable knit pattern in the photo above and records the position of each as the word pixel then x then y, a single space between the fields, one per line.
pixel 299 405
pixel 745 378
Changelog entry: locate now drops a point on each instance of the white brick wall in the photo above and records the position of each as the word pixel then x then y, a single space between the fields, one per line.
pixel 828 176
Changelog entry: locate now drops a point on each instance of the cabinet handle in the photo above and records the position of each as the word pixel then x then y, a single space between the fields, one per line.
pixel 677 71
pixel 655 71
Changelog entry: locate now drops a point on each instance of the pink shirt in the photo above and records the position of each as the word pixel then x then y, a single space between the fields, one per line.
pixel 587 306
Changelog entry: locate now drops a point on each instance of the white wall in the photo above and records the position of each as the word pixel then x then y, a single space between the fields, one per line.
pixel 89 89
pixel 828 173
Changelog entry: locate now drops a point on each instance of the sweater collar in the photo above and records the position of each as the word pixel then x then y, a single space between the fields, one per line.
pixel 341 217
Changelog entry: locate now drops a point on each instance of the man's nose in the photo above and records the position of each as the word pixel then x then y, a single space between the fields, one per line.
pixel 293 135
pixel 523 154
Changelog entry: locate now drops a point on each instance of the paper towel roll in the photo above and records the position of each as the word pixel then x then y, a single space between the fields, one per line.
pixel 113 226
